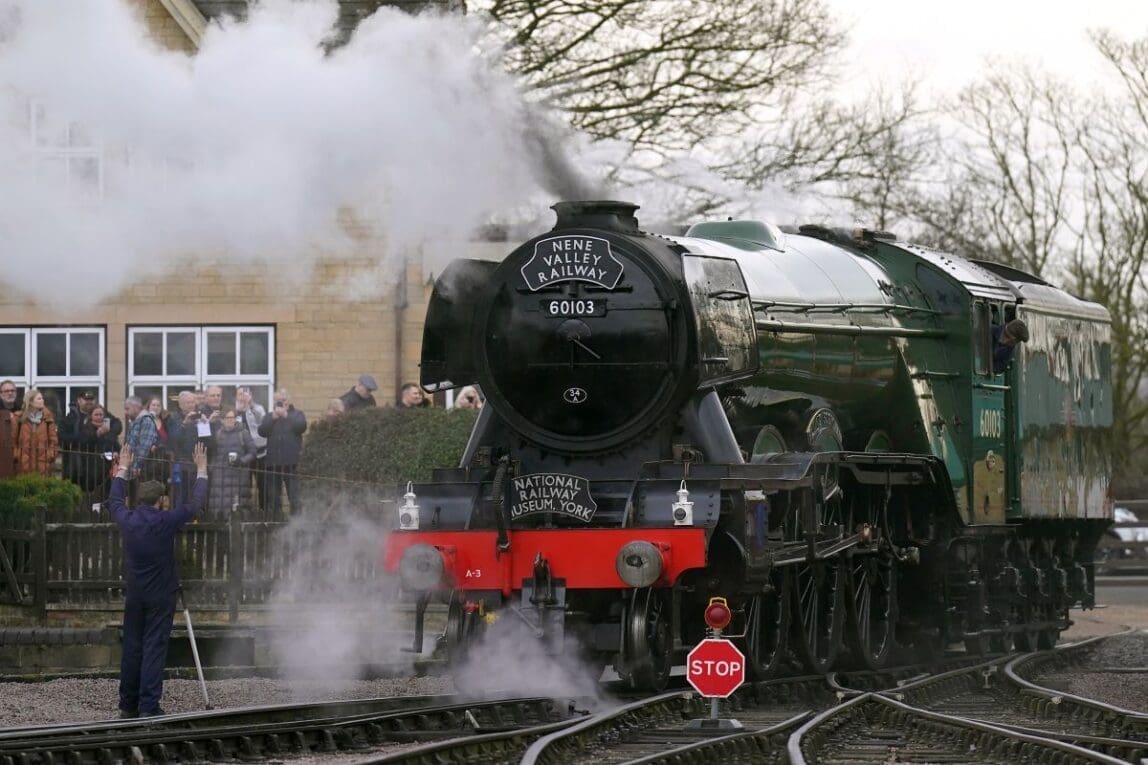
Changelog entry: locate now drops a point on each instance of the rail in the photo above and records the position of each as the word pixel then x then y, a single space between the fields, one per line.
pixel 274 731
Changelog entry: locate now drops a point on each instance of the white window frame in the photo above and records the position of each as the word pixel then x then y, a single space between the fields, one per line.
pixel 25 332
pixel 201 379
pixel 68 381
pixel 47 149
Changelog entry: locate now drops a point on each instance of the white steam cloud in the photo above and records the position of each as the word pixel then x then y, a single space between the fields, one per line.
pixel 334 620
pixel 119 160
pixel 510 658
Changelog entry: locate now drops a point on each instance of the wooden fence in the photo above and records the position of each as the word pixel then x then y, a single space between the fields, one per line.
pixel 224 565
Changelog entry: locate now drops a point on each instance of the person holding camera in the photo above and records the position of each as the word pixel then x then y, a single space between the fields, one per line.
pixel 76 437
pixel 231 466
pixel 183 436
pixel 95 449
pixel 284 430
pixel 250 414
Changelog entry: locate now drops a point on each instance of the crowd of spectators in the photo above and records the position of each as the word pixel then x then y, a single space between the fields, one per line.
pixel 253 453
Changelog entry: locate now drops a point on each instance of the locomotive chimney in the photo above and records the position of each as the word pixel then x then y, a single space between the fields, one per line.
pixel 614 216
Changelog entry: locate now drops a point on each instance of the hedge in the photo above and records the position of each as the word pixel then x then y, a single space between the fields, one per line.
pixel 361 458
pixel 21 496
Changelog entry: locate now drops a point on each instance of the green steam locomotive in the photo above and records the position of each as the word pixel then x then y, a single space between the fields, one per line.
pixel 821 426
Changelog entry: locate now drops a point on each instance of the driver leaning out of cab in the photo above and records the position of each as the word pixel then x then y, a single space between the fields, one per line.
pixel 1005 339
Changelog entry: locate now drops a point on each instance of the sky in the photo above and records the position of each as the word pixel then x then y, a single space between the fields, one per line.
pixel 947 43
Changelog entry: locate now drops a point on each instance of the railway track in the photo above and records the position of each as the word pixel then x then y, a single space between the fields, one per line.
pixel 636 730
pixel 874 728
pixel 996 692
pixel 274 731
pixel 968 709
pixel 768 712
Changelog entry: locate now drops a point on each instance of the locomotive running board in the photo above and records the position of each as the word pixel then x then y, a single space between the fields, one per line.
pixel 798 552
pixel 791 470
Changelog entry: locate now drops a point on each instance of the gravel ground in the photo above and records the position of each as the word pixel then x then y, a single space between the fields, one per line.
pixel 69 701
pixel 1105 621
pixel 1124 689
pixel 66 701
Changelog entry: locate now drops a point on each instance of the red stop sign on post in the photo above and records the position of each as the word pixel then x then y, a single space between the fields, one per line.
pixel 715 667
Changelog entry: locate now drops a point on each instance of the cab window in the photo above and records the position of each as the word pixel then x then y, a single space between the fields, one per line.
pixel 982 339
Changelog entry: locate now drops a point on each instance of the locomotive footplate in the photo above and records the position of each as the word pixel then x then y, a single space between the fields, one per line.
pixel 543 606
pixel 828 544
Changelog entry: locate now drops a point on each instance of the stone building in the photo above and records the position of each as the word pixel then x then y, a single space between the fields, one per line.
pixel 217 324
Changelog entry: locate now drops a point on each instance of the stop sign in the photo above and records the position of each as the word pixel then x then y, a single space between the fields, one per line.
pixel 715 667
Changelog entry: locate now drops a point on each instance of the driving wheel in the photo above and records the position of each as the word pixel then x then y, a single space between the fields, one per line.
pixel 767 639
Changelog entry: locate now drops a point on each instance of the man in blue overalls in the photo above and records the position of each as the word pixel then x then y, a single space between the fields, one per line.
pixel 149 533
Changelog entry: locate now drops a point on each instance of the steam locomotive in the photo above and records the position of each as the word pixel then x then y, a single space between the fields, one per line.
pixel 806 423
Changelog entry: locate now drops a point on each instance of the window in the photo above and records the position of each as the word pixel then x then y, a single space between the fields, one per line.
pixel 163 361
pixel 982 339
pixel 66 155
pixel 59 361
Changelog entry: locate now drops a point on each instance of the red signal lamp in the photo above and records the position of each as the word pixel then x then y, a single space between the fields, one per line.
pixel 718 615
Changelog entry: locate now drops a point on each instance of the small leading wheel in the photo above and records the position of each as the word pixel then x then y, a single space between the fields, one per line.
pixel 766 643
pixel 462 630
pixel 648 647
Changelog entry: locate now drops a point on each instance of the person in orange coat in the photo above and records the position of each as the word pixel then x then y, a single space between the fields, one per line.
pixel 35 436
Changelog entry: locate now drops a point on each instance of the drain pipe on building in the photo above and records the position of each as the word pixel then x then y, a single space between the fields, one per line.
pixel 400 310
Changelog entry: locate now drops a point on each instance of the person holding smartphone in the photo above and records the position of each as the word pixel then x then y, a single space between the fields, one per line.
pixel 96 448
pixel 283 429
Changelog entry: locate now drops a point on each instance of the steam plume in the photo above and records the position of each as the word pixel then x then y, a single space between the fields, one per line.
pixel 119 159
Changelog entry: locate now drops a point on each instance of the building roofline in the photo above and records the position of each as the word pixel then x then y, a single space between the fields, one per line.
pixel 190 20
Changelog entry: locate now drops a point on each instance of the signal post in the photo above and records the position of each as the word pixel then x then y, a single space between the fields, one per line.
pixel 715 668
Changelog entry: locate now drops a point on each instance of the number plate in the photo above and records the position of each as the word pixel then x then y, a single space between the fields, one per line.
pixel 568 307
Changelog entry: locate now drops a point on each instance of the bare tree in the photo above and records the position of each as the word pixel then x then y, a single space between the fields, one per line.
pixel 664 75
pixel 1042 178
pixel 1111 267
pixel 865 154
pixel 1008 181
